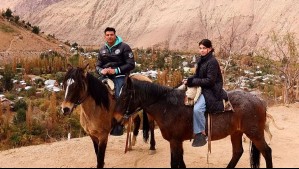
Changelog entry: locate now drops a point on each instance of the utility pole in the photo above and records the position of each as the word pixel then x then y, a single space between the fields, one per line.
pixel 297 90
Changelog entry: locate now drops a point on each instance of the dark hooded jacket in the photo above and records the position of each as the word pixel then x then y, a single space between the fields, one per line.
pixel 208 76
pixel 119 56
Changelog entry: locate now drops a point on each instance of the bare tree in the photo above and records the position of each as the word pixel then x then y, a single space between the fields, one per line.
pixel 52 108
pixel 285 49
pixel 230 41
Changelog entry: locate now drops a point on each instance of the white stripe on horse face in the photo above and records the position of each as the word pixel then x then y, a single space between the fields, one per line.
pixel 68 83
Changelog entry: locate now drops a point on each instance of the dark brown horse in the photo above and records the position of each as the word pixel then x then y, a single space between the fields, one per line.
pixel 97 105
pixel 175 120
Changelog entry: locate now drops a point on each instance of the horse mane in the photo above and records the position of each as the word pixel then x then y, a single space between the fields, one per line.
pixel 98 91
pixel 152 91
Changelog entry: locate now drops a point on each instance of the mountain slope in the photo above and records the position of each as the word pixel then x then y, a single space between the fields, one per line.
pixel 174 24
pixel 20 42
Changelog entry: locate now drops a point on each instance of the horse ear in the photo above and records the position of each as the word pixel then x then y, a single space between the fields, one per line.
pixel 87 66
pixel 86 69
pixel 69 67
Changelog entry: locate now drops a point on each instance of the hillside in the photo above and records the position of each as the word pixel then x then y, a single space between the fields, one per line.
pixel 79 152
pixel 173 24
pixel 20 42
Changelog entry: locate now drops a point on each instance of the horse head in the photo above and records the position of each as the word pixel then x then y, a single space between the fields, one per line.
pixel 75 87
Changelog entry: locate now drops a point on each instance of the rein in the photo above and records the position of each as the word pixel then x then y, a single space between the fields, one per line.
pixel 79 102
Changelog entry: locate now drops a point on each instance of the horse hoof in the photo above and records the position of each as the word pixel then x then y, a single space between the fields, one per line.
pixel 134 141
pixel 151 152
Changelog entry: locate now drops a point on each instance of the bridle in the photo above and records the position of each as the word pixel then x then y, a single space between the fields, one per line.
pixel 79 102
pixel 127 114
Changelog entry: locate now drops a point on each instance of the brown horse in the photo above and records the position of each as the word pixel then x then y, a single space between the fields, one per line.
pixel 97 105
pixel 175 120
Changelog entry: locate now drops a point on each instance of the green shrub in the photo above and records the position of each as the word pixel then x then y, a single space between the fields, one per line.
pixel 15 139
pixel 37 129
pixel 21 104
pixel 20 116
pixel 31 92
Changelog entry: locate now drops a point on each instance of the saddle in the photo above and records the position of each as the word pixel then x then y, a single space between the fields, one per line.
pixel 110 85
pixel 192 94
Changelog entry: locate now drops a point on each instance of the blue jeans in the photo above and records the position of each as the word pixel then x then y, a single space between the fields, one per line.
pixel 199 120
pixel 118 83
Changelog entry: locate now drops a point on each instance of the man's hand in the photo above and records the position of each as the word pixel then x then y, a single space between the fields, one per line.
pixel 104 71
pixel 184 81
pixel 111 71
pixel 108 71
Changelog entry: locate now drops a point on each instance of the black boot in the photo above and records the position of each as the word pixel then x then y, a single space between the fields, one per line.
pixel 117 130
pixel 199 140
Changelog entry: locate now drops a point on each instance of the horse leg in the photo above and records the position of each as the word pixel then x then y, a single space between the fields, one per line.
pixel 260 146
pixel 236 140
pixel 101 152
pixel 95 142
pixel 100 149
pixel 137 121
pixel 153 141
pixel 177 159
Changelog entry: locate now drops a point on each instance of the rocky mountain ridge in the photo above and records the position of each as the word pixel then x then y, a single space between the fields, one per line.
pixel 242 25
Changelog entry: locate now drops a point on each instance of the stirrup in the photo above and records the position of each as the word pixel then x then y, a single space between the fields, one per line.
pixel 228 106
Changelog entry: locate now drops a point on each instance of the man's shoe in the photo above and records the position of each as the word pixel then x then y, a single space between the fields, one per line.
pixel 199 140
pixel 117 130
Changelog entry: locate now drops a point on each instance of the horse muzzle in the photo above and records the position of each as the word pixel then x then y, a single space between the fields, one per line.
pixel 67 109
pixel 118 117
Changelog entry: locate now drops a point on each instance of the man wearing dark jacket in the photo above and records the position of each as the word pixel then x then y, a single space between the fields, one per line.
pixel 115 61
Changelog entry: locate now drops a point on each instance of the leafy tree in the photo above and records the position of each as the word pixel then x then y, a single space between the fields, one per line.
pixel 7 78
pixel 75 45
pixel 29 116
pixel 36 30
pixel 8 13
pixel 80 49
pixel 17 18
pixel 74 60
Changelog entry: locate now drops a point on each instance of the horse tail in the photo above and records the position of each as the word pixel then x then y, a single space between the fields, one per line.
pixel 269 117
pixel 145 127
pixel 255 156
